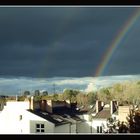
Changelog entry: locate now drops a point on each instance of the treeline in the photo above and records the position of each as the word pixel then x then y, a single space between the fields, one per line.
pixel 82 99
pixel 124 93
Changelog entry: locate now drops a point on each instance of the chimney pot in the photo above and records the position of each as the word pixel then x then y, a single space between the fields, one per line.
pixel 113 105
pixel 98 106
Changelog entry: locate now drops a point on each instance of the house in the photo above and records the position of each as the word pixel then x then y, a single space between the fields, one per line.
pixel 53 117
pixel 123 112
pixel 101 116
pixel 45 116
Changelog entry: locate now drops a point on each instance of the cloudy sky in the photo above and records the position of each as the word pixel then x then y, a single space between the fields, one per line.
pixel 66 41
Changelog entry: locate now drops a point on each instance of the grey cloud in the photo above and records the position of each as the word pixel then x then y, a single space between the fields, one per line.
pixel 58 41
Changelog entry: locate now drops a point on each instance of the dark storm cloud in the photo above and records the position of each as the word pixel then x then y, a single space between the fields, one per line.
pixel 57 41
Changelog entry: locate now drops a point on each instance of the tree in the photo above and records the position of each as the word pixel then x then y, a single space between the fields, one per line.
pixel 55 96
pixel 134 121
pixel 37 98
pixel 105 95
pixel 115 126
pixel 92 97
pixel 138 82
pixel 118 87
pixel 21 98
pixel 60 97
pixel 26 93
pixel 37 93
pixel 44 93
pixel 70 94
pixel 123 128
pixel 112 126
pixel 82 99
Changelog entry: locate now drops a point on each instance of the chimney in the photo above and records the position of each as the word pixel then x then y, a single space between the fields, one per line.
pixel 32 103
pixel 16 98
pixel 98 106
pixel 113 106
pixel 49 106
pixel 68 103
pixel 102 104
pixel 43 105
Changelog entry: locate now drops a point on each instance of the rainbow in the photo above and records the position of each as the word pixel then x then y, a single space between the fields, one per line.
pixel 116 42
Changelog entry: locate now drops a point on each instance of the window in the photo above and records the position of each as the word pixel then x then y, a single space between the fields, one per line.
pixel 99 129
pixel 40 128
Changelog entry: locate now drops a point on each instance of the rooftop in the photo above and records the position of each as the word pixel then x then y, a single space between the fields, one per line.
pixel 103 114
pixel 60 115
pixel 52 118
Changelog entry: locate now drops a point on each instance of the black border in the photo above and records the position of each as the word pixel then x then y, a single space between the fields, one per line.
pixel 69 2
pixel 68 136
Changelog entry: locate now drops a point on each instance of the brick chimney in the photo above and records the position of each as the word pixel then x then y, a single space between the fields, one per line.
pixel 33 105
pixel 113 106
pixel 98 106
pixel 43 105
pixel 68 103
pixel 49 106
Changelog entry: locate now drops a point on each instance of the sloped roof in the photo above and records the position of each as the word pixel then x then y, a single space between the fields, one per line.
pixel 59 117
pixel 55 120
pixel 103 114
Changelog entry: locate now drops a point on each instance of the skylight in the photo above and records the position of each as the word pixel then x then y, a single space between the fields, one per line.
pixel 58 119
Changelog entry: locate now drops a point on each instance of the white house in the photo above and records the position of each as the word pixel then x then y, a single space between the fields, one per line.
pixel 101 116
pixel 16 119
pixel 30 117
pixel 49 117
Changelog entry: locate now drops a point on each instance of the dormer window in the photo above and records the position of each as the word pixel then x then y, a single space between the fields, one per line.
pixel 40 128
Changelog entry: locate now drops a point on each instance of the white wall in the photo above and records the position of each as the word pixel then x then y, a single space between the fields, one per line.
pixel 9 117
pixel 10 122
pixel 98 122
pixel 49 127
pixel 73 128
pixel 84 127
pixel 20 105
pixel 85 117
pixel 65 128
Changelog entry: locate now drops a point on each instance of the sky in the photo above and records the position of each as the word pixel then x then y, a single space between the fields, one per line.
pixel 66 41
pixel 17 86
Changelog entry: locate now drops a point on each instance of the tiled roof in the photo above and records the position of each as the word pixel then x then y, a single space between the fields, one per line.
pixel 69 111
pixel 51 118
pixel 103 114
pixel 59 117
